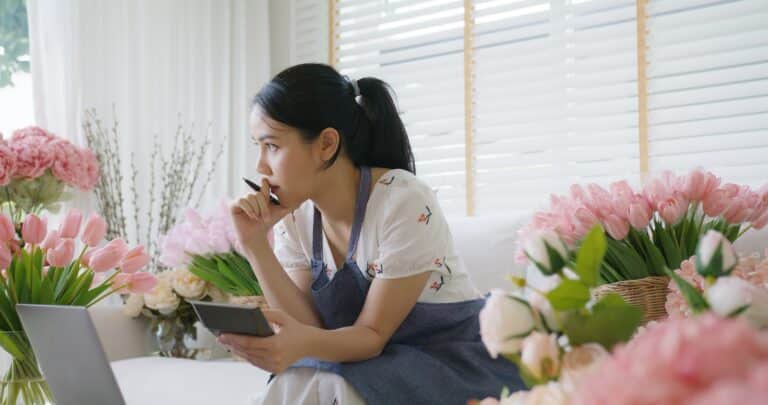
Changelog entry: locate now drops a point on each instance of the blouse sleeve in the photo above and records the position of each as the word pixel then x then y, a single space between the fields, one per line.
pixel 287 248
pixel 413 235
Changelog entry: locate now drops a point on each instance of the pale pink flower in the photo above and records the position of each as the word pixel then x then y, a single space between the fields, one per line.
pixel 640 214
pixel 676 305
pixel 36 134
pixel 616 227
pixel 7 164
pixel 51 240
pixel 672 209
pixel 33 230
pixel 86 259
pixel 109 256
pixel 68 164
pixel 134 259
pixel 95 229
pixel 90 170
pixel 5 257
pixel 683 358
pixel 7 230
pixel 136 283
pixel 70 227
pixel 579 362
pixel 62 254
pixel 716 202
pixel 698 184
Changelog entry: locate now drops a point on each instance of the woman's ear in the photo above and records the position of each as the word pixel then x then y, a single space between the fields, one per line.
pixel 327 143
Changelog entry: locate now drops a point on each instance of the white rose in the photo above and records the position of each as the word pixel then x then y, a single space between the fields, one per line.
pixel 551 393
pixel 579 362
pixel 133 305
pixel 516 398
pixel 505 321
pixel 187 284
pixel 541 355
pixel 161 297
pixel 547 251
pixel 251 301
pixel 709 244
pixel 215 293
pixel 728 294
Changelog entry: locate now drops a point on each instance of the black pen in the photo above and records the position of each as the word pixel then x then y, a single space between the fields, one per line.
pixel 255 187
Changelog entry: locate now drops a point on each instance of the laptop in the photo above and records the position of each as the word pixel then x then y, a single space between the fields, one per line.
pixel 70 354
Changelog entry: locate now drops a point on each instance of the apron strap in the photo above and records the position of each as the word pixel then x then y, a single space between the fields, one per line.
pixel 360 206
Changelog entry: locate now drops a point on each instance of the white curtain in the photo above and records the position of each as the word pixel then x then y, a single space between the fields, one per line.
pixel 159 63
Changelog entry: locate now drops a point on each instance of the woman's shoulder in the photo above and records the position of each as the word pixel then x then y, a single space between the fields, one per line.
pixel 399 184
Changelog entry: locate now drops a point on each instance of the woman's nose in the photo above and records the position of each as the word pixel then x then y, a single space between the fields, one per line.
pixel 262 167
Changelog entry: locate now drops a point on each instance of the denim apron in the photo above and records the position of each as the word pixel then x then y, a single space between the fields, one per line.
pixel 435 357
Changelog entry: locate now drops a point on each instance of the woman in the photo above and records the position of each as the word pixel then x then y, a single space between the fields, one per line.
pixel 370 300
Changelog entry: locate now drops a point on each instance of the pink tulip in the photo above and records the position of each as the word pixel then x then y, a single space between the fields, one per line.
pixel 616 227
pixel 33 230
pixel 118 245
pixel 5 256
pixel 672 210
pixel 51 240
pixel 7 230
pixel 737 212
pixel 86 259
pixel 94 231
pixel 698 184
pixel 62 254
pixel 134 259
pixel 142 282
pixel 622 197
pixel 715 203
pixel 71 225
pixel 639 215
pixel 108 257
pixel 761 221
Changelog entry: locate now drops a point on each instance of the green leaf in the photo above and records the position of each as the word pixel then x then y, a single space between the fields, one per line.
pixel 570 294
pixel 611 321
pixel 692 296
pixel 590 256
pixel 669 247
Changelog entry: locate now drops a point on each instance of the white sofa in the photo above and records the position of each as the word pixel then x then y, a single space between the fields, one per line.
pixel 487 245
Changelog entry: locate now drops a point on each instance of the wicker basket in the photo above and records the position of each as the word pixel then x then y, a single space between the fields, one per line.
pixel 649 293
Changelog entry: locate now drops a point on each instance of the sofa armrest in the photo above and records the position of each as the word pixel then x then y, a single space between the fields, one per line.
pixel 121 336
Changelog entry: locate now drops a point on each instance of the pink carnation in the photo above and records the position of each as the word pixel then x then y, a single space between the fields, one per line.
pixel 682 360
pixel 7 163
pixel 68 164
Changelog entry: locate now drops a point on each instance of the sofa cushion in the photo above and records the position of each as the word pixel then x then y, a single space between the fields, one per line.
pixel 487 245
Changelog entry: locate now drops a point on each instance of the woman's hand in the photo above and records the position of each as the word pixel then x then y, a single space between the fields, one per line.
pixel 253 215
pixel 275 353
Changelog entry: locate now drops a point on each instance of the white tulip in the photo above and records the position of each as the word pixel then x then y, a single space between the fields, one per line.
pixel 505 321
pixel 728 294
pixel 551 260
pixel 708 246
pixel 541 355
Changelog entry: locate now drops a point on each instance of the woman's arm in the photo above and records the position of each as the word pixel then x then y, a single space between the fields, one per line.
pixel 289 293
pixel 388 302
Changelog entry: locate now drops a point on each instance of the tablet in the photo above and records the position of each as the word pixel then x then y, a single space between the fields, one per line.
pixel 228 318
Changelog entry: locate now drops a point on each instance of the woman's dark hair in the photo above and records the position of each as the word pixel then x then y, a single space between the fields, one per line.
pixel 312 97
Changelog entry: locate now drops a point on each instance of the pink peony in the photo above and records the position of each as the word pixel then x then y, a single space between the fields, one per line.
pixel 682 358
pixel 68 164
pixel 7 163
pixel 90 173
pixel 32 147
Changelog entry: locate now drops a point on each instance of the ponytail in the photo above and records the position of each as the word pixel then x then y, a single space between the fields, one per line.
pixel 313 97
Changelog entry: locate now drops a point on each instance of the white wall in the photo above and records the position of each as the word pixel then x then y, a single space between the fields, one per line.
pixel 280 35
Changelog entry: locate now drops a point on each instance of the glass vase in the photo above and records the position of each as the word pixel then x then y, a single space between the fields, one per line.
pixel 21 381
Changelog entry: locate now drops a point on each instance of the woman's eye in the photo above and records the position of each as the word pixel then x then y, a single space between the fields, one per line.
pixel 270 147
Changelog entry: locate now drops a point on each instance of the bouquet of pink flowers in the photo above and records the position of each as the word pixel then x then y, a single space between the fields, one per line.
pixel 208 247
pixel 703 360
pixel 44 267
pixel 36 167
pixel 649 230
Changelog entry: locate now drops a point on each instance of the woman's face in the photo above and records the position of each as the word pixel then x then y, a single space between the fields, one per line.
pixel 285 159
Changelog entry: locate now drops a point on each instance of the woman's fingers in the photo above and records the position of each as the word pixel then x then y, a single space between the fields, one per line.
pixel 263 205
pixel 249 207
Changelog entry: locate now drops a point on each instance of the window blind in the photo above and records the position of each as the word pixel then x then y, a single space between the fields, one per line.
pixel 309 31
pixel 555 91
pixel 708 87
